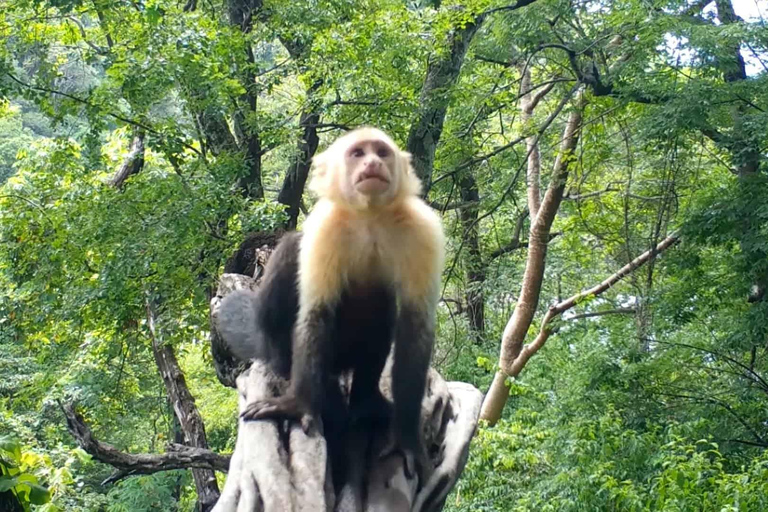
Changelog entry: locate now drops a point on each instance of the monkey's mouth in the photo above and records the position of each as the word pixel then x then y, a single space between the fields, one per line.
pixel 371 175
pixel 372 183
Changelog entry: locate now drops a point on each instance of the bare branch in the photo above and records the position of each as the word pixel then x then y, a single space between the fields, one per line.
pixel 570 196
pixel 528 103
pixel 176 457
pixel 133 162
pixel 619 311
pixel 559 308
pixel 759 439
pixel 458 205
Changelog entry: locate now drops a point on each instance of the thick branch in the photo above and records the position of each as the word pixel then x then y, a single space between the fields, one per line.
pixel 298 170
pixel 615 278
pixel 241 13
pixel 517 327
pixel 133 162
pixel 442 73
pixel 176 456
pixel 554 311
pixel 528 103
pixel 492 408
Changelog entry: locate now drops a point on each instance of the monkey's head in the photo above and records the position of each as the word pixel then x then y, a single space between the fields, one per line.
pixel 364 168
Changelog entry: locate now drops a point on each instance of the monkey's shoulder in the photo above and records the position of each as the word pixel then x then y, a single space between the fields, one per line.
pixel 413 214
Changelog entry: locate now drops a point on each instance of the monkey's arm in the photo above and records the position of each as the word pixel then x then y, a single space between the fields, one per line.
pixel 420 271
pixel 414 339
pixel 312 352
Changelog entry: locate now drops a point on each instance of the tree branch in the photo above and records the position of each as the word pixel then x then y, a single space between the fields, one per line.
pixel 559 308
pixel 458 205
pixel 517 5
pixel 176 457
pixel 619 311
pixel 133 162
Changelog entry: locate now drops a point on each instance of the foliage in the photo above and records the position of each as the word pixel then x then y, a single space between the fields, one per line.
pixel 15 478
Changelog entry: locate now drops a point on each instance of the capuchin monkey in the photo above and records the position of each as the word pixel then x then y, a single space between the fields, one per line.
pixel 365 273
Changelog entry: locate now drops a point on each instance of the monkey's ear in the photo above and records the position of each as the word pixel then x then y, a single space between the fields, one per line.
pixel 319 182
pixel 411 182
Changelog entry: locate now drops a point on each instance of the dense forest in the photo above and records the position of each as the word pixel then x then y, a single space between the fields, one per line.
pixel 601 169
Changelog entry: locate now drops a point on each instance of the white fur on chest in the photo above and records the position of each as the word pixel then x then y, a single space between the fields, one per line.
pixel 371 247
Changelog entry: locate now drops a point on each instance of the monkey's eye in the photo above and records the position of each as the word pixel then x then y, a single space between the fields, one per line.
pixel 382 152
pixel 357 152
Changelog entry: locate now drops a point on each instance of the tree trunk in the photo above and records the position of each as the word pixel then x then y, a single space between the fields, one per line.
pixel 475 266
pixel 241 14
pixel 538 240
pixel 746 155
pixel 298 170
pixel 185 410
pixel 279 470
pixel 442 73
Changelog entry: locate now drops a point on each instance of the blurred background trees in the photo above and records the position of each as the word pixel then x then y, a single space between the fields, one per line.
pixel 141 140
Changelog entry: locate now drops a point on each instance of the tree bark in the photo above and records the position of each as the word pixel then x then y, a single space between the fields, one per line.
pixel 442 73
pixel 528 102
pixel 743 145
pixel 242 270
pixel 241 14
pixel 496 397
pixel 176 456
pixel 185 409
pixel 275 470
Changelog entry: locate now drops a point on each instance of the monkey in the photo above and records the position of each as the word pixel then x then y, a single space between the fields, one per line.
pixel 369 264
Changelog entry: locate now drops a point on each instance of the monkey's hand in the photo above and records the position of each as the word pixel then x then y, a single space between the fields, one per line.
pixel 286 407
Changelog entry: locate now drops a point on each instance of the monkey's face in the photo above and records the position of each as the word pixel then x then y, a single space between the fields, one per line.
pixel 370 169
pixel 364 168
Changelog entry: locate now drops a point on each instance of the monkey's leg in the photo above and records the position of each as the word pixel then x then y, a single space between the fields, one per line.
pixel 366 403
pixel 335 431
pixel 372 341
pixel 312 352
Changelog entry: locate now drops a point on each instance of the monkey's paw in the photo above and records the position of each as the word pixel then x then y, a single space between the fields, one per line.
pixel 280 408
